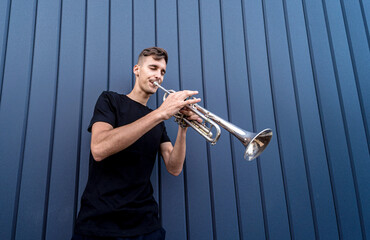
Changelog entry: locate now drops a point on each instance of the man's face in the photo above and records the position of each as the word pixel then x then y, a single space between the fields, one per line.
pixel 147 71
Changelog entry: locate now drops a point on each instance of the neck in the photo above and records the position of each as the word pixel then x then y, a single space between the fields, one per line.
pixel 139 96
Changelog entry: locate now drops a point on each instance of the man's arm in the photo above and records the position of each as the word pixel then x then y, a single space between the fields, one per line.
pixel 106 140
pixel 174 156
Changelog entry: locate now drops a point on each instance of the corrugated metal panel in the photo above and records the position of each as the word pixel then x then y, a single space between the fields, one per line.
pixel 299 67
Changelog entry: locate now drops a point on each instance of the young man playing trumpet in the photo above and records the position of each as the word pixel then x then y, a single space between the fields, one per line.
pixel 126 136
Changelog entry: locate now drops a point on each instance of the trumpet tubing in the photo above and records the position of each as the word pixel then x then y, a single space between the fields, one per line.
pixel 255 143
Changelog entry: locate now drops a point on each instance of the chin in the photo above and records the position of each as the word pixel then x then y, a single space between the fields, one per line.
pixel 151 91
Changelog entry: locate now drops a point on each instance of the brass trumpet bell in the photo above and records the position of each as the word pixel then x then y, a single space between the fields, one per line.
pixel 256 143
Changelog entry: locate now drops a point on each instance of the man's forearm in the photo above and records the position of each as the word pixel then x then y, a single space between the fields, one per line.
pixel 109 142
pixel 178 153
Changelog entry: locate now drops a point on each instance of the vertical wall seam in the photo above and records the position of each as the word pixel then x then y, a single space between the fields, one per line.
pixel 132 40
pixel 318 99
pixel 277 122
pixel 365 22
pixel 3 57
pixel 186 199
pixel 207 145
pixel 109 39
pixel 78 160
pixel 354 67
pixel 236 187
pixel 340 96
pixel 253 114
pixel 155 24
pixel 24 131
pixel 52 133
pixel 178 44
pixel 299 115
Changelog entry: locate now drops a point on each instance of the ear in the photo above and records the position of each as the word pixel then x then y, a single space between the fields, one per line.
pixel 136 70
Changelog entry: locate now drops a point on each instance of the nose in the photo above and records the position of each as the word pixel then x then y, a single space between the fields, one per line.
pixel 158 74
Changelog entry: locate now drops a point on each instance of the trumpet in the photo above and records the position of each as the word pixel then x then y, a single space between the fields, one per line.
pixel 255 143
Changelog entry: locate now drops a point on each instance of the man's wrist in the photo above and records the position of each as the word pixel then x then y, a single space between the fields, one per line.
pixel 160 115
pixel 183 129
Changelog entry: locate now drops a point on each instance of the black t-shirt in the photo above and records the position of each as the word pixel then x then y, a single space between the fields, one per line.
pixel 118 199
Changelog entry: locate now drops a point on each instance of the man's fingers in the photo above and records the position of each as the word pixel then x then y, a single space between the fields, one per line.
pixel 185 94
pixel 192 101
pixel 195 118
pixel 190 115
pixel 189 93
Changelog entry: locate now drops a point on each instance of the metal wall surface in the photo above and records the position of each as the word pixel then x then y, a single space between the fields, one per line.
pixel 301 68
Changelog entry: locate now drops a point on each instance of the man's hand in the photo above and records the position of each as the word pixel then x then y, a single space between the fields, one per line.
pixel 190 115
pixel 176 102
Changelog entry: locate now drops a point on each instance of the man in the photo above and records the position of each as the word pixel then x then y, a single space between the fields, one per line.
pixel 126 136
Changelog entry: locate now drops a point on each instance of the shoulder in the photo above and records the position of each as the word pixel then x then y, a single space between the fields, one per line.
pixel 111 97
pixel 110 94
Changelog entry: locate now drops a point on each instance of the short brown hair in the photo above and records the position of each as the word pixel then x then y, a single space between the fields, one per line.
pixel 157 53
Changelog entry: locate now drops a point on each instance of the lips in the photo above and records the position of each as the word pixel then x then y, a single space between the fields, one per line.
pixel 151 84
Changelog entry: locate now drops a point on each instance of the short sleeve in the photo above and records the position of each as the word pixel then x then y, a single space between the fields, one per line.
pixel 104 110
pixel 165 137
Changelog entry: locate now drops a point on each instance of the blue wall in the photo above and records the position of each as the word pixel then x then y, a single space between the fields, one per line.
pixel 301 68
